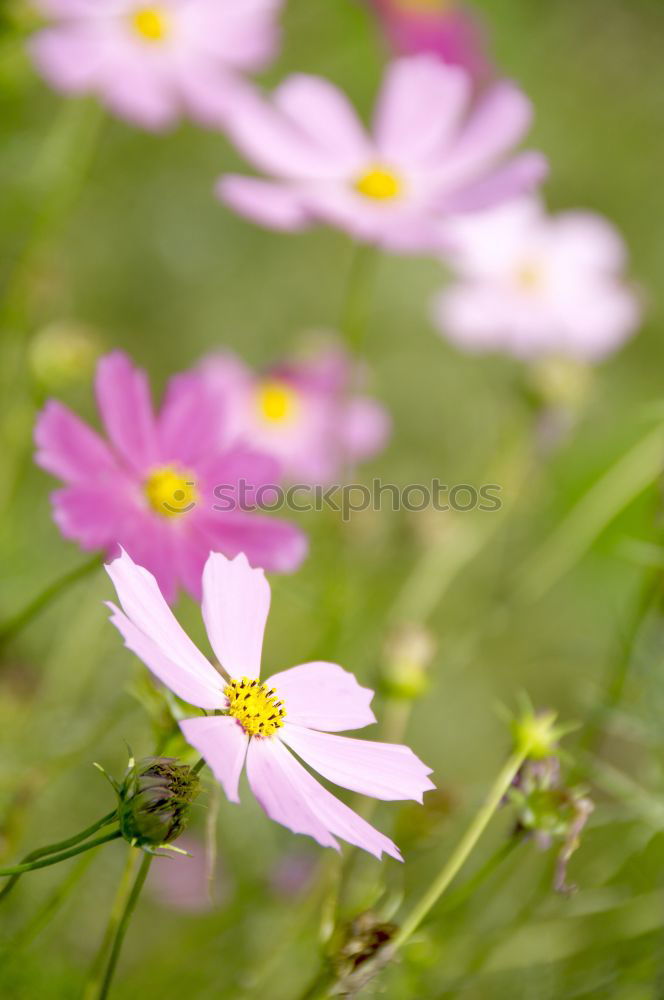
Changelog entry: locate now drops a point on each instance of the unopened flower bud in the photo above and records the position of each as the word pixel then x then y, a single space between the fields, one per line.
pixel 62 353
pixel 537 734
pixel 363 950
pixel 407 656
pixel 154 801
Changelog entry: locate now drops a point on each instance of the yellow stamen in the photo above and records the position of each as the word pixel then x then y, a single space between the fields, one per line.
pixel 379 183
pixel 529 276
pixel 150 23
pixel 255 706
pixel 276 401
pixel 170 491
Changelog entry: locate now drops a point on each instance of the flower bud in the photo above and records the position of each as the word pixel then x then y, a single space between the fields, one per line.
pixel 62 353
pixel 536 734
pixel 550 811
pixel 154 801
pixel 407 656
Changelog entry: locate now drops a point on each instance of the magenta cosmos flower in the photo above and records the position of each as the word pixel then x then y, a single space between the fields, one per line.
pixel 267 724
pixel 535 285
pixel 152 62
pixel 429 153
pixel 303 412
pixel 151 488
pixel 444 28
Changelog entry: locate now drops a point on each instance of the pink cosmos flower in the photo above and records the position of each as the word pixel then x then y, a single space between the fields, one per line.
pixel 152 62
pixel 444 28
pixel 301 412
pixel 150 489
pixel 429 153
pixel 294 714
pixel 533 284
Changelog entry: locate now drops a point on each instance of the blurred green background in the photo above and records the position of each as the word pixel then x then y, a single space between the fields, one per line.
pixel 145 258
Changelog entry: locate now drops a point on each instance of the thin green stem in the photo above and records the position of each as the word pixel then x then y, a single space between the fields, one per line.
pixel 199 765
pixel 357 300
pixel 459 856
pixel 61 845
pixel 55 859
pixel 94 982
pixel 123 924
pixel 11 628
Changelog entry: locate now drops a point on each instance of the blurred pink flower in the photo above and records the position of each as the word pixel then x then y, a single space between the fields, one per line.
pixel 150 489
pixel 533 284
pixel 442 27
pixel 301 412
pixel 153 62
pixel 181 881
pixel 297 710
pixel 429 153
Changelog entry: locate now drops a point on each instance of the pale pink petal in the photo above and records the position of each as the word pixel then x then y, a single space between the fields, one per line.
pixel 264 202
pixel 420 104
pixel 274 143
pixel 69 57
pixel 323 696
pixel 325 115
pixel 381 770
pixel 289 795
pixel 187 684
pixel 223 743
pixel 588 241
pixel 151 542
pixel 123 397
pixel 365 428
pixel 498 123
pixel 519 176
pixel 140 93
pixel 69 449
pixel 236 602
pixel 147 610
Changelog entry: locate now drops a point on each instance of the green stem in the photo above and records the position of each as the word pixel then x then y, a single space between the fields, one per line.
pixel 55 859
pixel 61 845
pixel 14 625
pixel 96 972
pixel 459 856
pixel 355 311
pixel 123 924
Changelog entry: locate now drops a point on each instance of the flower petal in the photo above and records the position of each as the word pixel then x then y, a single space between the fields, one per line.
pixel 269 542
pixel 223 743
pixel 325 115
pixel 123 396
pixel 517 177
pixel 383 770
pixel 290 796
pixel 152 631
pixel 419 106
pixel 497 124
pixel 69 449
pixel 323 696
pixel 264 202
pixel 236 602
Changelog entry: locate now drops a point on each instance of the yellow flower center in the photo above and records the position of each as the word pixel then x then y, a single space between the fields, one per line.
pixel 170 491
pixel 150 23
pixel 379 183
pixel 529 276
pixel 276 401
pixel 255 706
